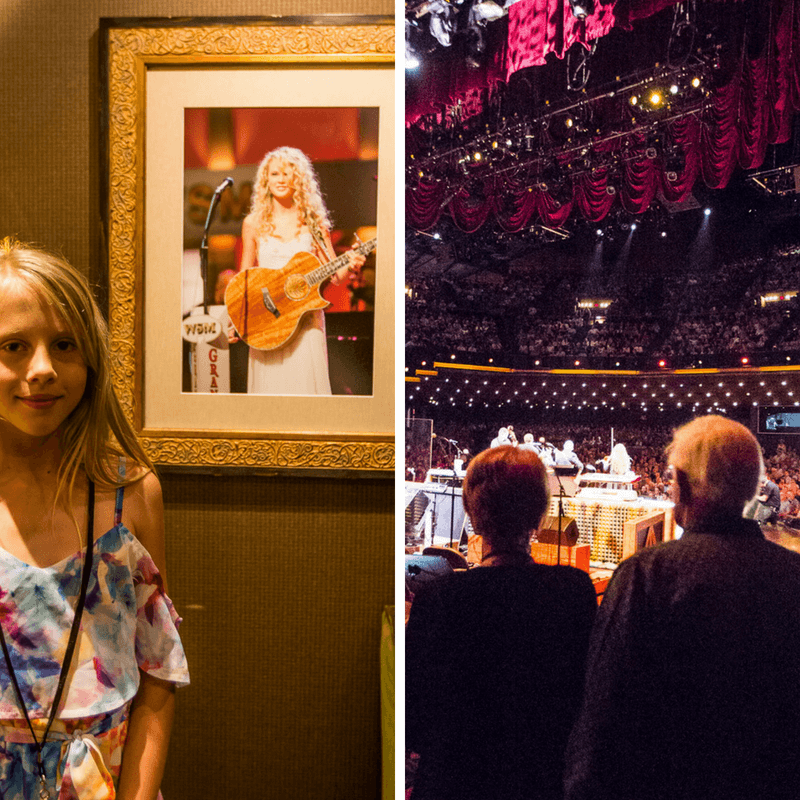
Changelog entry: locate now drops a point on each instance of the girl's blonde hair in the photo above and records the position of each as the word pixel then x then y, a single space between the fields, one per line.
pixel 620 461
pixel 97 432
pixel 307 195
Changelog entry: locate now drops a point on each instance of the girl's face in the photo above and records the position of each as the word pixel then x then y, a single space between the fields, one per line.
pixel 42 373
pixel 280 179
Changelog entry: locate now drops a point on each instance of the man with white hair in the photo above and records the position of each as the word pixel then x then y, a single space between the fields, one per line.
pixel 566 456
pixel 503 437
pixel 693 681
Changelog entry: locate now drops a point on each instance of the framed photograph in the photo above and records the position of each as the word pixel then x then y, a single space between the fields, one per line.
pixel 250 228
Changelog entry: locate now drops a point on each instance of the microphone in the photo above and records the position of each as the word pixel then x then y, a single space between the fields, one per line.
pixel 224 185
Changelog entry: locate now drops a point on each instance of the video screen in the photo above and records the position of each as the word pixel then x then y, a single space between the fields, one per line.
pixel 779 419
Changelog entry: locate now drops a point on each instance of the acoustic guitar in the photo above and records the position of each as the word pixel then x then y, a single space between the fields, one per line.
pixel 266 305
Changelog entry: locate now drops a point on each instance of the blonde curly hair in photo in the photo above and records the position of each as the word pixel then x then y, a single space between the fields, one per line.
pixel 308 200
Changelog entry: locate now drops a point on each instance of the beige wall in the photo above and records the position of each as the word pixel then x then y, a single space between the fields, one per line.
pixel 281 581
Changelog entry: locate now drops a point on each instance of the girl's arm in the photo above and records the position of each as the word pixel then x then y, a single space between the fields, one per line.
pixel 248 244
pixel 145 752
pixel 150 722
pixel 355 260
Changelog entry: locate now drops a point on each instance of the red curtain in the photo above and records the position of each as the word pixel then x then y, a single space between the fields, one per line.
pixel 539 27
pixel 752 109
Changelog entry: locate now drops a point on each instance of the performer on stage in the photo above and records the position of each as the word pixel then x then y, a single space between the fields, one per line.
pixel 769 502
pixel 618 463
pixel 288 217
pixel 545 450
pixel 566 456
pixel 528 443
pixel 504 436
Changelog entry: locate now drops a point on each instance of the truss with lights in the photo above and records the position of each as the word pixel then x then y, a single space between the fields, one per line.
pixel 625 123
pixel 780 181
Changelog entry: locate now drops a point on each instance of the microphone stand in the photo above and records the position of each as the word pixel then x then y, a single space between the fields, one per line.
pixel 453 490
pixel 204 244
pixel 561 496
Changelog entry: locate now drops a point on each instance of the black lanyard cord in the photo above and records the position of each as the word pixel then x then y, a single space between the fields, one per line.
pixel 86 569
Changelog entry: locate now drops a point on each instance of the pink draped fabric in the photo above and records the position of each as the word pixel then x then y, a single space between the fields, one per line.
pixel 752 109
pixel 539 27
pixel 448 81
pixel 533 29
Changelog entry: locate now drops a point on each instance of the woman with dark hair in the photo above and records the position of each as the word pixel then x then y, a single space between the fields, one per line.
pixel 495 657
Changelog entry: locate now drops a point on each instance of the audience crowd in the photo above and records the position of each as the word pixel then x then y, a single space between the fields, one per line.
pixel 644 315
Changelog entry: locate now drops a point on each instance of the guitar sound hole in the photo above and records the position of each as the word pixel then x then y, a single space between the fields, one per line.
pixel 296 287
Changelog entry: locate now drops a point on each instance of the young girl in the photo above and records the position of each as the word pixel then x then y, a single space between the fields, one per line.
pixel 289 217
pixel 90 650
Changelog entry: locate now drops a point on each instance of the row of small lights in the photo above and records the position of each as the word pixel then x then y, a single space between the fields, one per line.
pixel 634 226
pixel 662 363
pixel 715 404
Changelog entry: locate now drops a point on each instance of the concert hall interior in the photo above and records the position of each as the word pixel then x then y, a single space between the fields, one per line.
pixel 602 244
pixel 602 233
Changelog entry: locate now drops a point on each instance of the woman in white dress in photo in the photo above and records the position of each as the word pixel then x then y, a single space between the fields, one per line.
pixel 288 216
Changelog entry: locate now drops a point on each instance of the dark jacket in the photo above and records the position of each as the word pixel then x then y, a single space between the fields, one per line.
pixel 693 680
pixel 494 668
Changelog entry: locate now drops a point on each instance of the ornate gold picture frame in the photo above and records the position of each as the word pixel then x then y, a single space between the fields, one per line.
pixel 152 71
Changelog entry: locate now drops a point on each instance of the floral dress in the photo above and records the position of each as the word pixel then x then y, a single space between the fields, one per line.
pixel 128 624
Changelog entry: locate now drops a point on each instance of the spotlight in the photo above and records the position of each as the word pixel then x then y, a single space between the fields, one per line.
pixel 662 363
pixel 484 11
pixel 663 234
pixel 477 155
pixel 582 8
pixel 634 100
pixel 673 89
pixel 633 226
pixel 745 360
pixel 695 82
pixel 707 212
pixel 599 232
pixel 656 99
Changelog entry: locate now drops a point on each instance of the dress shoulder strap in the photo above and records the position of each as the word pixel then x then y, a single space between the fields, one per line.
pixel 120 493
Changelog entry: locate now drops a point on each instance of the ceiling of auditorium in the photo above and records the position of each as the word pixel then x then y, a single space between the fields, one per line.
pixel 745 220
pixel 744 215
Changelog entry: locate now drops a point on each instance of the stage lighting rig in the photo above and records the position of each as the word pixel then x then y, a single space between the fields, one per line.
pixel 780 181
